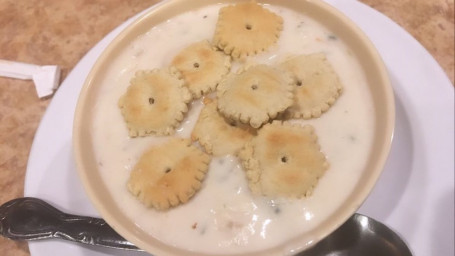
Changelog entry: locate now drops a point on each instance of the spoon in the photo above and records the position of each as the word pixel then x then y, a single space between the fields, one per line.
pixel 31 218
pixel 360 236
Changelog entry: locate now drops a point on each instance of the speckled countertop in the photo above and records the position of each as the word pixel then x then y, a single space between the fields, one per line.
pixel 60 32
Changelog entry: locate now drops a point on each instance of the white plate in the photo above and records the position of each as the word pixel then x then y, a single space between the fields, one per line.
pixel 414 196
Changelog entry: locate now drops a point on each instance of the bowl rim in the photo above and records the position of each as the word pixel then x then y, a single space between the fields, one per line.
pixel 297 244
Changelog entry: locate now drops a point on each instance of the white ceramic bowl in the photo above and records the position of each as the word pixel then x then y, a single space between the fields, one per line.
pixel 377 79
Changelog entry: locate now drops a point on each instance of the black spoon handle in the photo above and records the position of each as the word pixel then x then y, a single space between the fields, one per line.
pixel 31 218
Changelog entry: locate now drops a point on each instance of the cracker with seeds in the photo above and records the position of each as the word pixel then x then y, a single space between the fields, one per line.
pixel 283 160
pixel 169 174
pixel 155 102
pixel 256 95
pixel 317 86
pixel 202 67
pixel 219 135
pixel 246 29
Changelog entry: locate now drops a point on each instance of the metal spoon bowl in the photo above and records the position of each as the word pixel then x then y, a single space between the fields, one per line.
pixel 32 219
pixel 360 235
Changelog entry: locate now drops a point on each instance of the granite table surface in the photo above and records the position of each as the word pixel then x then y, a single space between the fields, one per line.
pixel 61 32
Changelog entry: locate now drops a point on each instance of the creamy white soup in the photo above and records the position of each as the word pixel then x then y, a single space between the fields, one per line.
pixel 224 217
